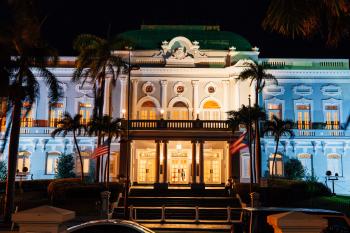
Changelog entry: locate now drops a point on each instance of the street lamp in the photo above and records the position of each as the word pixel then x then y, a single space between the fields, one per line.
pixel 332 178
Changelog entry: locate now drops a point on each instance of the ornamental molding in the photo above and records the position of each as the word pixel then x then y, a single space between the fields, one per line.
pixel 302 90
pixel 148 88
pixel 331 90
pixel 274 90
pixel 210 88
pixel 180 48
pixel 179 88
pixel 309 73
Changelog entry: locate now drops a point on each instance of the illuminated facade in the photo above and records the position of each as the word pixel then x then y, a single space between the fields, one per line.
pixel 178 98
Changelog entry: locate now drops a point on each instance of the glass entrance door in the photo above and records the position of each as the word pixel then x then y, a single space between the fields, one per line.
pixel 146 171
pixel 212 171
pixel 179 171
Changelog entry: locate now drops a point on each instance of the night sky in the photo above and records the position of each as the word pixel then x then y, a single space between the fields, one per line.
pixel 67 19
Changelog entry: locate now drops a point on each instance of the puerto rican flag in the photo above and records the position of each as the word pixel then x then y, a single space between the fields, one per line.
pixel 239 144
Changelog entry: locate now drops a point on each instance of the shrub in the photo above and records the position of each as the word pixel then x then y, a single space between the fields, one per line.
pixel 65 166
pixel 72 189
pixel 293 169
pixel 3 171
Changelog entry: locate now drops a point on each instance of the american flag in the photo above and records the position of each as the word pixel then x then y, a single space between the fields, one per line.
pixel 99 151
pixel 239 144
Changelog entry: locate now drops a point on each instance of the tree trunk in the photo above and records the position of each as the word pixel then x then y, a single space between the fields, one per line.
pixel 257 143
pixel 250 158
pixel 81 160
pixel 12 160
pixel 274 157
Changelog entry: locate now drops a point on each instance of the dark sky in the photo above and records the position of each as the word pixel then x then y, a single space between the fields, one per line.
pixel 67 19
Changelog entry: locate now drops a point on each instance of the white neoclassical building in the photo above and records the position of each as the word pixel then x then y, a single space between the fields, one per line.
pixel 178 100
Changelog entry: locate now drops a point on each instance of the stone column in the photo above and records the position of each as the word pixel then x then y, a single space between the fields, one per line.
pixel 229 158
pixel 194 162
pixel 201 162
pixel 123 94
pixel 123 157
pixel 134 98
pixel 224 109
pixel 195 98
pixel 237 101
pixel 164 84
pixel 165 155
pixel 157 160
pixel 107 96
pixel 252 93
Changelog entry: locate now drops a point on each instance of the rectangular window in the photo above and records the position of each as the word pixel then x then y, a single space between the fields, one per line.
pixel 274 110
pixel 56 113
pixel 332 116
pixel 334 164
pixel 52 164
pixel 303 114
pixel 85 110
pixel 26 116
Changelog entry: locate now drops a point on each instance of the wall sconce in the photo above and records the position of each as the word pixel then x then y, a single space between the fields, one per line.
pixel 123 112
pixel 162 114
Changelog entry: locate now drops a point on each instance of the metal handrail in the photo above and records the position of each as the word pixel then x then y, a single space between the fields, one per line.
pixel 163 208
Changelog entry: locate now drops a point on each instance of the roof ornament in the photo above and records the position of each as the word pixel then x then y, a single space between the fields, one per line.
pixel 255 49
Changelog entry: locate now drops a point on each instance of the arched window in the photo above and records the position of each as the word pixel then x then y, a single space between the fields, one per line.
pixel 334 164
pixel 305 160
pixel 23 161
pixel 179 111
pixel 148 111
pixel 277 168
pixel 52 162
pixel 211 110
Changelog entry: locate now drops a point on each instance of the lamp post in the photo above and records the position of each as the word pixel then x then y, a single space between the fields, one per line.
pixel 332 178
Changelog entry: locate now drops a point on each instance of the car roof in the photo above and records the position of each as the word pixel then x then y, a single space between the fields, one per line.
pixel 117 222
pixel 285 209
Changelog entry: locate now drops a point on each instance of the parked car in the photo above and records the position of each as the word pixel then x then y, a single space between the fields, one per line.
pixel 254 220
pixel 109 226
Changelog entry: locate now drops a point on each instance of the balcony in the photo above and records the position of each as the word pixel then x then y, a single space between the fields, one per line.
pixel 210 125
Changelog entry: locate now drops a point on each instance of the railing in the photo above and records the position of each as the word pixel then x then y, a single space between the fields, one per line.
pixel 178 124
pixel 196 211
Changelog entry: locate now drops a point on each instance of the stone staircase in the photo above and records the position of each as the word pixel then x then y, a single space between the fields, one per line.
pixel 155 208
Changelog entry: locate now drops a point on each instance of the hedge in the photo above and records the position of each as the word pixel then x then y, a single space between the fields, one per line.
pixel 281 192
pixel 62 190
pixel 28 185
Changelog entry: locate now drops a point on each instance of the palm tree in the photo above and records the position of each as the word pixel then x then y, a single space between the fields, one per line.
pixel 295 18
pixel 94 62
pixel 29 56
pixel 246 116
pixel 256 74
pixel 74 125
pixel 110 128
pixel 278 128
